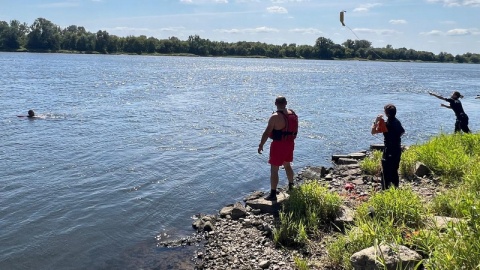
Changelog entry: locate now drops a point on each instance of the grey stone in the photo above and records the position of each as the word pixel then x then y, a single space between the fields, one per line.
pixel 379 147
pixel 335 158
pixel 347 161
pixel 226 211
pixel 314 173
pixel 440 222
pixel 393 257
pixel 358 156
pixel 238 211
pixel 208 226
pixel 344 219
pixel 264 264
pixel 267 206
pixel 421 170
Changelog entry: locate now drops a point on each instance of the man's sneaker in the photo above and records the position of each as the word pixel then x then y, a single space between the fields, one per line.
pixel 291 186
pixel 271 197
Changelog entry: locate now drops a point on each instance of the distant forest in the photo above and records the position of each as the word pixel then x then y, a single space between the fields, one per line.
pixel 45 36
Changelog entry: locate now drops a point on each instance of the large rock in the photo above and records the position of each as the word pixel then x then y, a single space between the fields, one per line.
pixel 421 170
pixel 344 219
pixel 235 211
pixel 314 173
pixel 358 155
pixel 442 223
pixel 393 257
pixel 346 161
pixel 378 147
pixel 238 211
pixel 266 206
pixel 335 158
pixel 226 211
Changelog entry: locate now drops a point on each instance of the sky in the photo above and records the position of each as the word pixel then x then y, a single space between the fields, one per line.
pixel 451 26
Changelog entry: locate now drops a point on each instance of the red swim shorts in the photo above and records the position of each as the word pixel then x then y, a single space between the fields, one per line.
pixel 280 152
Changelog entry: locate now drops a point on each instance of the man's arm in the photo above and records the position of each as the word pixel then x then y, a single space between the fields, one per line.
pixel 437 96
pixel 375 125
pixel 266 133
pixel 446 106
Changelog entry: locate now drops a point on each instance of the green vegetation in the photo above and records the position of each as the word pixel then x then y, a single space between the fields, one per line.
pixel 385 218
pixel 372 164
pixel 400 217
pixel 45 36
pixel 310 207
pixel 300 263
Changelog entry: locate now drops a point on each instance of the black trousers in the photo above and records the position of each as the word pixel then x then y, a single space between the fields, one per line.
pixel 390 164
pixel 462 123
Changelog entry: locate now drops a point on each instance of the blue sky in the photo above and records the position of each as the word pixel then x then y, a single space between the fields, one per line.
pixel 436 26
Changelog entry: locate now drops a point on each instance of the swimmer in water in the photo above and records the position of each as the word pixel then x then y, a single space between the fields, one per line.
pixel 31 114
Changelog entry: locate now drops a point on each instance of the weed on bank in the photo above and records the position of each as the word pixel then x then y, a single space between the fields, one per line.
pixel 399 216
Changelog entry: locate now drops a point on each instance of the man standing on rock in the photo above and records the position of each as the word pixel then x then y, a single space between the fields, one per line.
pixel 392 132
pixel 282 128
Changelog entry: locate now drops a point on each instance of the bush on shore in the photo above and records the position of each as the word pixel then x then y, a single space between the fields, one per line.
pixel 310 207
pixel 399 216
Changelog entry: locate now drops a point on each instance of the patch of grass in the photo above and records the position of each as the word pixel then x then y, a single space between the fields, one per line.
pixel 407 162
pixel 372 164
pixel 401 205
pixel 456 202
pixel 450 156
pixel 397 216
pixel 300 263
pixel 456 248
pixel 309 207
pixel 290 232
pixel 365 234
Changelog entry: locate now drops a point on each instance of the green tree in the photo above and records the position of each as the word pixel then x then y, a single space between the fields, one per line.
pixel 323 47
pixel 101 41
pixel 44 35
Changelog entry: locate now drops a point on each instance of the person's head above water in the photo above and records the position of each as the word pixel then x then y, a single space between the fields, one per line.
pixel 31 113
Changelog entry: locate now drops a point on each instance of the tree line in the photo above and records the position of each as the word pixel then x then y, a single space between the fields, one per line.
pixel 45 36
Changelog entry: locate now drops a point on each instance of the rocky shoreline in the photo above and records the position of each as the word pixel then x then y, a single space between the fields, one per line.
pixel 240 235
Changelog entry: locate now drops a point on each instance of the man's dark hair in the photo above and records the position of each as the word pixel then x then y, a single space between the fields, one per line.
pixel 390 110
pixel 281 100
pixel 456 93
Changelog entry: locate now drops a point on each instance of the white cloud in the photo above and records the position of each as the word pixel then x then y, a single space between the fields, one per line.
pixel 381 32
pixel 432 33
pixel 457 3
pixel 306 31
pixel 262 29
pixel 172 29
pixel 366 7
pixel 458 32
pixel 277 9
pixel 398 21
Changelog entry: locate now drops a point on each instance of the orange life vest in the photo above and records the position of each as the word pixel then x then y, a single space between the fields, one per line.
pixel 289 132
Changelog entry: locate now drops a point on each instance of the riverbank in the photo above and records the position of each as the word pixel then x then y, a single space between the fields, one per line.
pixel 245 241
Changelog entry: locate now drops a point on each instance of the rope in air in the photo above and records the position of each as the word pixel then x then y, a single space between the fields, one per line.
pixel 342 20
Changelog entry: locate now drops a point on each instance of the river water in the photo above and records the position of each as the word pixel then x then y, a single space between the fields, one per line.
pixel 126 149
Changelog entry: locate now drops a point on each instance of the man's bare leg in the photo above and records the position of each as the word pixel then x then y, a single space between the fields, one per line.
pixel 274 177
pixel 273 183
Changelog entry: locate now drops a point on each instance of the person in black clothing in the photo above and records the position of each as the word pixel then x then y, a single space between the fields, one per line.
pixel 462 118
pixel 393 146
